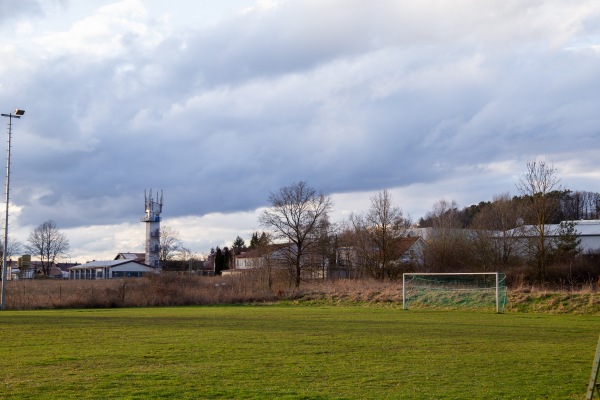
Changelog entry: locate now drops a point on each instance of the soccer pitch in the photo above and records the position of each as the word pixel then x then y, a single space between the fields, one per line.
pixel 294 352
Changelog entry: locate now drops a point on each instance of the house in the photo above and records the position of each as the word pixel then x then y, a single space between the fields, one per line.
pixel 348 263
pixel 64 269
pixel 412 250
pixel 24 269
pixel 277 257
pixel 12 270
pixel 317 265
pixel 27 269
pixel 110 269
pixel 257 258
pixel 249 259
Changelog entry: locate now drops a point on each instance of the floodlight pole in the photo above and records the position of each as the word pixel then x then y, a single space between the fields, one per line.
pixel 18 113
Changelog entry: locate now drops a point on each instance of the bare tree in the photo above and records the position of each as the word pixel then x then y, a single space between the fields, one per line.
pixel 449 246
pixel 497 228
pixel 345 256
pixel 14 247
pixel 186 255
pixel 264 251
pixel 295 214
pixel 47 243
pixel 376 234
pixel 170 243
pixel 536 184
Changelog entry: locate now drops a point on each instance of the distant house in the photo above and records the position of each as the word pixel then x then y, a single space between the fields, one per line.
pixel 348 261
pixel 249 259
pixel 205 268
pixel 63 268
pixel 317 266
pixel 412 250
pixel 110 269
pixel 258 258
pixel 277 257
pixel 24 268
pixel 12 270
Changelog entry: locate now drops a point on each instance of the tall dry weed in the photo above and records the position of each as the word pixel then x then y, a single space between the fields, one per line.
pixel 172 289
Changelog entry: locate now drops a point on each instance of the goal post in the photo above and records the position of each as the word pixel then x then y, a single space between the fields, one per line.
pixel 454 290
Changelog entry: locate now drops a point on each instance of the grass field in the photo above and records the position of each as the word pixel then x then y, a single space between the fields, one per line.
pixel 294 352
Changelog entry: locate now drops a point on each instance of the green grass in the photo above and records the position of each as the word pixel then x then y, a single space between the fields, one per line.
pixel 293 352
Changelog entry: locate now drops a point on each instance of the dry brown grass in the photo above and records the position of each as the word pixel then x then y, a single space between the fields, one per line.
pixel 584 299
pixel 160 290
pixel 177 290
pixel 351 291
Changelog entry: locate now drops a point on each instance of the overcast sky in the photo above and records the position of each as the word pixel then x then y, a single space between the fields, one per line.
pixel 218 103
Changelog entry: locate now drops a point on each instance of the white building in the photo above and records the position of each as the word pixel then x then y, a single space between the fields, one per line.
pixel 587 230
pixel 589 233
pixel 110 269
pixel 280 256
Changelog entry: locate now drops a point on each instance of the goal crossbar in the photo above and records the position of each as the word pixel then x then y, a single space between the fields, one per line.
pixel 498 286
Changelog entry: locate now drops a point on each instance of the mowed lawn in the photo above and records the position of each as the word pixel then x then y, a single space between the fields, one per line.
pixel 293 352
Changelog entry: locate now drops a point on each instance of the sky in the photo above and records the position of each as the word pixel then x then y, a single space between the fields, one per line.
pixel 220 103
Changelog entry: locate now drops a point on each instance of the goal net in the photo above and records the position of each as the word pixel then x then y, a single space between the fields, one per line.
pixel 454 290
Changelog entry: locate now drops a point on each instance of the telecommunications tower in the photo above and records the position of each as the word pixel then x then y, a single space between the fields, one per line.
pixel 152 220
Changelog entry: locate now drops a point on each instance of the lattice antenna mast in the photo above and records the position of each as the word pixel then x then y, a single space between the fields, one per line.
pixel 153 206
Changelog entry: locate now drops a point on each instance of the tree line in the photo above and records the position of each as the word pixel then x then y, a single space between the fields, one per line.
pixel 571 206
pixel 506 234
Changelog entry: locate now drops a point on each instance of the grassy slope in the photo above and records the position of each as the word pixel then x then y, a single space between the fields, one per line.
pixel 281 351
pixel 555 302
pixel 519 300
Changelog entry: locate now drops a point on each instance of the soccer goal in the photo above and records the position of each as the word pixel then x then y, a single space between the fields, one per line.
pixel 454 290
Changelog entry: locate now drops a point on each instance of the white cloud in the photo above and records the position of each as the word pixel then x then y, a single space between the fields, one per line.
pixel 105 34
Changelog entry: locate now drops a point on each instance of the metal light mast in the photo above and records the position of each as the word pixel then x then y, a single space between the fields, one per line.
pixel 18 113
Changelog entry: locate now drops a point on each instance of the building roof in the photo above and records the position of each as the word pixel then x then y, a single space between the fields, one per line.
pixel 588 227
pixel 106 263
pixel 582 228
pixel 141 257
pixel 405 243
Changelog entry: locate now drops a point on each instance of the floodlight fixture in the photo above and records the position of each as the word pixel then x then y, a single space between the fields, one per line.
pixel 19 112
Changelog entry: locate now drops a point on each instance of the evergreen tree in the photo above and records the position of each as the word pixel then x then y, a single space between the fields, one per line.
pixel 264 240
pixel 254 241
pixel 238 245
pixel 227 258
pixel 219 261
pixel 569 242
